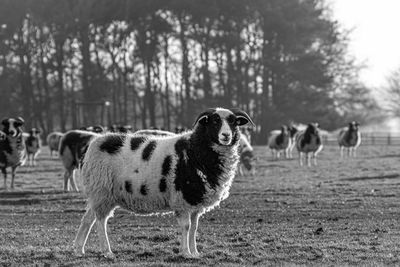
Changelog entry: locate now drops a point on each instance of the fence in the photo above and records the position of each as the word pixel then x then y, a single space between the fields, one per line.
pixel 370 139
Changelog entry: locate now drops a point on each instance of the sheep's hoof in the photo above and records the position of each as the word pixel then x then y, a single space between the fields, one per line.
pixel 78 252
pixel 109 255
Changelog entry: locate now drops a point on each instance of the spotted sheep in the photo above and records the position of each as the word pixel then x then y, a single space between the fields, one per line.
pixel 246 153
pixel 73 145
pixel 309 143
pixel 12 147
pixel 350 138
pixel 53 141
pixel 279 142
pixel 32 146
pixel 188 173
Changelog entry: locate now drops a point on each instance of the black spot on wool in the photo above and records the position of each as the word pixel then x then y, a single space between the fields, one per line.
pixel 128 186
pixel 166 166
pixel 279 139
pixel 5 147
pixel 163 185
pixel 136 142
pixel 148 150
pixel 143 190
pixel 112 143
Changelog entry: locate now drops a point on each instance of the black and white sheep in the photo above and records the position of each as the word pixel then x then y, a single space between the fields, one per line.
pixel 73 146
pixel 247 158
pixel 32 146
pixel 188 173
pixel 53 141
pixel 309 143
pixel 350 138
pixel 12 147
pixel 154 132
pixel 279 142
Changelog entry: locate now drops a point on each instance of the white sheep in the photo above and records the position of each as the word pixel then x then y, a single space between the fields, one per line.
pixel 188 173
pixel 53 141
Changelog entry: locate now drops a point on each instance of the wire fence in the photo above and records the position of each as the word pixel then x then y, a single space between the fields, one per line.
pixel 370 139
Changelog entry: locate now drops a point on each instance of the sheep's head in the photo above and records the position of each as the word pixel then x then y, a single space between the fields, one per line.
pixel 13 126
pixel 313 128
pixel 353 126
pixel 34 132
pixel 222 125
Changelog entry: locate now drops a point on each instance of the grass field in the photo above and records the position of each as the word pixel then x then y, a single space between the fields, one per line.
pixel 344 212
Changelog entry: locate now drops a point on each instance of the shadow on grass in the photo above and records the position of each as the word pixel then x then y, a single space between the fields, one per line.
pixel 364 178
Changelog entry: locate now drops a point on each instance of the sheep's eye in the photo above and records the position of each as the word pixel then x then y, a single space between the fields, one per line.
pixel 231 120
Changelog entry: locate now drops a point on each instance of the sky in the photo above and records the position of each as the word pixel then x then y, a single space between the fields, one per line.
pixel 375 36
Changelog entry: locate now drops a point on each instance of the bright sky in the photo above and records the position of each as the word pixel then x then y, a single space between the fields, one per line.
pixel 375 39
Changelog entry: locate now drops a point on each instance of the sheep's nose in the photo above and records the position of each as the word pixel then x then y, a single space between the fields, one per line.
pixel 226 135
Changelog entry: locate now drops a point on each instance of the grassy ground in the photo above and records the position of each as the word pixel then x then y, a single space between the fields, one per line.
pixel 345 212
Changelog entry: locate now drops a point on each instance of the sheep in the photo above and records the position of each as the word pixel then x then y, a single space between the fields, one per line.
pixel 188 173
pixel 12 147
pixel 309 142
pixel 73 146
pixel 279 142
pixel 32 146
pixel 246 152
pixel 293 131
pixel 350 138
pixel 53 141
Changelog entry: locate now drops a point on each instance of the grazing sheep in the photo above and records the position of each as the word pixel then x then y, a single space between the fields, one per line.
pixel 350 138
pixel 188 173
pixel 246 152
pixel 293 131
pixel 53 141
pixel 32 145
pixel 279 142
pixel 309 142
pixel 72 148
pixel 12 147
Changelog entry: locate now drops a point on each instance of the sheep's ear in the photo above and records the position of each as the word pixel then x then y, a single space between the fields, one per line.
pixel 317 125
pixel 242 117
pixel 20 121
pixel 204 117
pixel 4 121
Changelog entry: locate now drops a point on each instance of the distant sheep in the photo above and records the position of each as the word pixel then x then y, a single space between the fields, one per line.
pixel 293 131
pixel 12 147
pixel 247 158
pixel 350 138
pixel 279 142
pixel 53 141
pixel 32 145
pixel 188 173
pixel 309 143
pixel 72 148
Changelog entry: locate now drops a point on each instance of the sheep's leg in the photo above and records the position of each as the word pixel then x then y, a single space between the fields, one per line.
pixel 72 181
pixel 87 223
pixel 341 151
pixel 315 159
pixel 194 219
pixel 301 158
pixel 354 152
pixel 67 175
pixel 103 237
pixel 308 155
pixel 4 171
pixel 184 222
pixel 13 176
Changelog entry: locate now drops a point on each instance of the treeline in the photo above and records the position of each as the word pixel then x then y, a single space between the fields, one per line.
pixel 147 63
